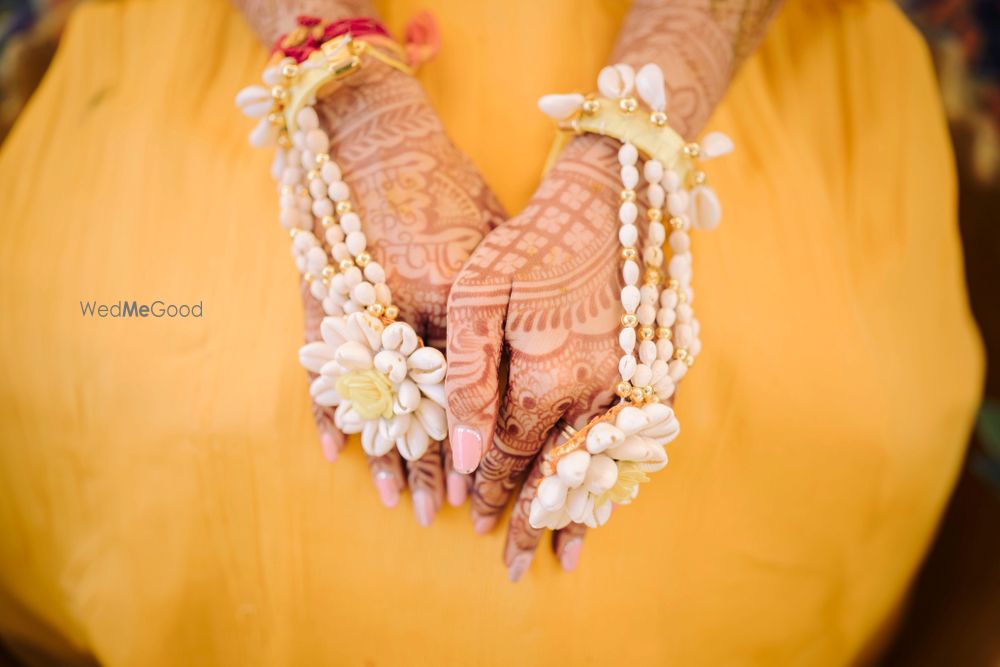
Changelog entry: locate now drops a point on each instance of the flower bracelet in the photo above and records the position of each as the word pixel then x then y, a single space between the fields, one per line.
pixel 603 463
pixel 385 384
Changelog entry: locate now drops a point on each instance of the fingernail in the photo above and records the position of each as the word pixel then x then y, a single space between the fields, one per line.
pixel 458 489
pixel 571 554
pixel 388 492
pixel 329 446
pixel 467 449
pixel 518 567
pixel 423 507
pixel 483 524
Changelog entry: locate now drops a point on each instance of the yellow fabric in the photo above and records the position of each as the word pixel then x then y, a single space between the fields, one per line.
pixel 163 500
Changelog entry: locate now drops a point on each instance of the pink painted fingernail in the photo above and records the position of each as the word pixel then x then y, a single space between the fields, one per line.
pixel 423 507
pixel 458 489
pixel 388 492
pixel 483 524
pixel 466 448
pixel 329 445
pixel 518 567
pixel 571 554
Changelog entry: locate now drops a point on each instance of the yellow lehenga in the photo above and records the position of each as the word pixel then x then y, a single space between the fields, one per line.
pixel 163 500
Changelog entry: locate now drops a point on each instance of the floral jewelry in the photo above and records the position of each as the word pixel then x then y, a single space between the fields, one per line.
pixel 603 463
pixel 384 383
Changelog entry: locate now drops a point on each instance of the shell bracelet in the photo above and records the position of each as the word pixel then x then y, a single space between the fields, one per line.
pixel 374 368
pixel 603 463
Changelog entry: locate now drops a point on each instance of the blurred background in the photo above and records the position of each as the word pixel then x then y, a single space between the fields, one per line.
pixel 952 616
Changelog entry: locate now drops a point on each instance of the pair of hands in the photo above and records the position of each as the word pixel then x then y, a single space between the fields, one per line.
pixel 542 285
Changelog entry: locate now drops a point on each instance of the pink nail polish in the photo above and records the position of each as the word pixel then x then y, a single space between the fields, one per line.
pixel 423 507
pixel 466 448
pixel 571 554
pixel 388 492
pixel 329 445
pixel 483 524
pixel 518 567
pixel 458 489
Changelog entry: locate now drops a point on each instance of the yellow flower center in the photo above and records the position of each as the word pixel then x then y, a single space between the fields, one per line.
pixel 369 392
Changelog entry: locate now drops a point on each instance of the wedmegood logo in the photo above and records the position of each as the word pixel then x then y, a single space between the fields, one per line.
pixel 122 309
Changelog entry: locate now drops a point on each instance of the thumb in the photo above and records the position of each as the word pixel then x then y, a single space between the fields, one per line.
pixel 477 310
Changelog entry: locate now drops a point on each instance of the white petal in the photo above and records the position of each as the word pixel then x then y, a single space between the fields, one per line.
pixel 432 418
pixel 715 144
pixel 397 426
pixel 407 397
pixel 400 336
pixel 560 106
pixel 368 435
pixel 392 363
pixel 353 355
pixel 635 449
pixel 663 425
pixel 631 419
pixel 347 418
pixel 435 392
pixel 427 365
pixel 704 208
pixel 323 392
pixel 313 355
pixel 264 134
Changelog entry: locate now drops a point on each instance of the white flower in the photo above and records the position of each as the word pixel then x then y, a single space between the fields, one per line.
pixel 385 385
pixel 607 471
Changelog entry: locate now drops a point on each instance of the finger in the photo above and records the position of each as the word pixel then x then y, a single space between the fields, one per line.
pixel 522 538
pixel 567 543
pixel 426 480
pixel 331 440
pixel 535 400
pixel 477 308
pixel 457 485
pixel 387 473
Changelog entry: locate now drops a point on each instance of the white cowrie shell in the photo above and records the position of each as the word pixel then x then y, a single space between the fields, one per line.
pixel 655 460
pixel 705 209
pixel 540 518
pixel 560 106
pixel 627 213
pixel 435 392
pixel 317 141
pixel 630 298
pixel 396 427
pixel 322 207
pixel 663 424
pixel 646 314
pixel 347 418
pixel 254 101
pixel 647 352
pixel 392 363
pixel 415 444
pixel 307 119
pixel 572 468
pixel 340 253
pixel 683 335
pixel 616 81
pixel 337 285
pixel 277 166
pixel 352 277
pixel 664 388
pixel 323 392
pixel 656 195
pixel 552 493
pixel 353 356
pixel 317 289
pixel 363 293
pixel 677 202
pixel 375 273
pixel 603 513
pixel 369 326
pixel 603 435
pixel 643 374
pixel 368 434
pixel 601 475
pixel 427 366
pixel 629 176
pixel 715 144
pixel 333 330
pixel 634 448
pixel 677 370
pixel 356 242
pixel 630 272
pixel 334 235
pixel 628 235
pixel 308 161
pixel 349 222
pixel 659 368
pixel 652 171
pixel 579 504
pixel 671 181
pixel 338 191
pixel 432 418
pixel 333 305
pixel 649 85
pixel 272 75
pixel 626 367
pixel 264 134
pixel 382 293
pixel 315 259
pixel 626 339
pixel 631 420
pixel 330 172
pixel 627 154
pixel 407 397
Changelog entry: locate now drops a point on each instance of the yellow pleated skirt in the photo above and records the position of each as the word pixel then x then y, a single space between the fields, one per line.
pixel 163 500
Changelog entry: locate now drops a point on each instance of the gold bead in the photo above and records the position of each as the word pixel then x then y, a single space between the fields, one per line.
pixel 637 395
pixel 392 312
pixel 700 177
pixel 591 106
pixel 673 284
pixel 346 264
pixel 322 158
pixel 328 272
pixel 308 277
pixel 627 195
pixel 654 214
pixel 293 231
pixel 363 259
pixel 343 207
pixel 647 392
pixel 279 93
pixel 327 221
pixel 284 141
pixel 646 333
pixel 630 253
pixel 628 104
pixel 275 118
pixel 629 320
pixel 658 118
pixel 692 150
pixel 689 360
pixel 681 297
pixel 311 174
pixel 676 223
pixel 289 70
pixel 376 309
pixel 623 389
pixel 652 277
pixel 664 333
pixel 680 353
